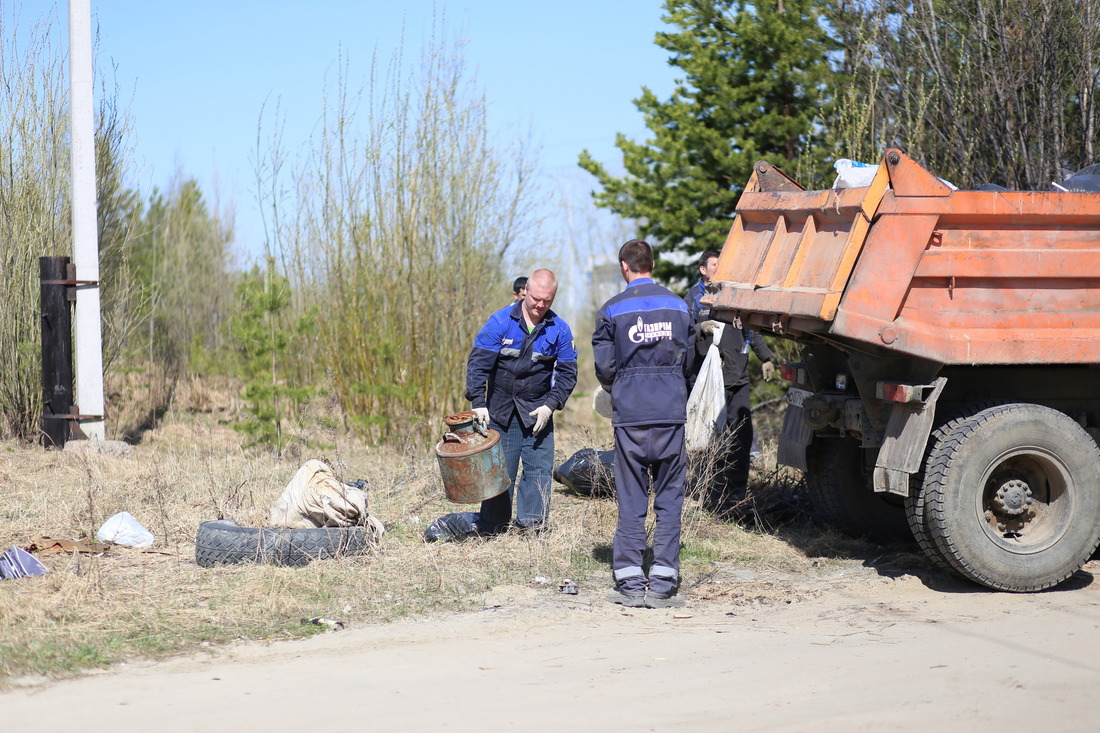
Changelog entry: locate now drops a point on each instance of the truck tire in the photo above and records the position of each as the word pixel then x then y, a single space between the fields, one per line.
pixel 915 513
pixel 1012 497
pixel 842 497
pixel 222 542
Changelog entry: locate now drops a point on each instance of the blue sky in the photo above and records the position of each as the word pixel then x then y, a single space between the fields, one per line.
pixel 196 73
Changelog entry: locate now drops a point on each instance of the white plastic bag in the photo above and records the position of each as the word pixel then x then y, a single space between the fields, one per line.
pixel 853 174
pixel 123 529
pixel 706 408
pixel 601 403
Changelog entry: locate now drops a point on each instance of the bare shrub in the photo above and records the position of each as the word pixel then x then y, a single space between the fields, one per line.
pixel 394 221
pixel 1000 91
pixel 35 212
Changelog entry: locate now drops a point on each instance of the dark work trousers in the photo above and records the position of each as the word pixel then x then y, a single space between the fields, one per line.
pixel 532 491
pixel 733 462
pixel 639 452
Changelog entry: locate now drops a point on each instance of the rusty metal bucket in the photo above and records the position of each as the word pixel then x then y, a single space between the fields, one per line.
pixel 471 461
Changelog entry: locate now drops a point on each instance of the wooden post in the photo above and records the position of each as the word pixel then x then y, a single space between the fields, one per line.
pixel 57 350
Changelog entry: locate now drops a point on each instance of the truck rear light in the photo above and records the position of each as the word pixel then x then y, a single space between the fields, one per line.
pixel 793 373
pixel 900 392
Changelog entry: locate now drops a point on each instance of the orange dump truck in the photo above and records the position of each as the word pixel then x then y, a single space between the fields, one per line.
pixel 949 380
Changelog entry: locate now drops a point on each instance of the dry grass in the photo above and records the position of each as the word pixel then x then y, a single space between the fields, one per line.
pixel 91 611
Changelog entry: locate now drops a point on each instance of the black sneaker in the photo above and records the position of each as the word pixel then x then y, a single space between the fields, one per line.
pixel 657 600
pixel 625 599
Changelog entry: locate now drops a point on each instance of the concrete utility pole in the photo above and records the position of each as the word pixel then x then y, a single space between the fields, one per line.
pixel 89 339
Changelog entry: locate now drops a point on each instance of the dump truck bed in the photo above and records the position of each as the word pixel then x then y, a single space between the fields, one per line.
pixel 909 265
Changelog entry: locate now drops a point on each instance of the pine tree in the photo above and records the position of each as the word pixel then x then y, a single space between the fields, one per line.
pixel 756 77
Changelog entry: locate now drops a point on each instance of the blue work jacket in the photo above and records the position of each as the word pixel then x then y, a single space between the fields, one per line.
pixel 510 369
pixel 642 347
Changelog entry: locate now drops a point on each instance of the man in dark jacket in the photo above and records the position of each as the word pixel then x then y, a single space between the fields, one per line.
pixel 522 367
pixel 733 344
pixel 642 347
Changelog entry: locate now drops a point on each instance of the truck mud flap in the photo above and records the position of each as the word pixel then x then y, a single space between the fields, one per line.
pixel 796 435
pixel 904 445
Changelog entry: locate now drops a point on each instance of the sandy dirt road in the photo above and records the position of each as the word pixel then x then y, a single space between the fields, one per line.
pixel 847 650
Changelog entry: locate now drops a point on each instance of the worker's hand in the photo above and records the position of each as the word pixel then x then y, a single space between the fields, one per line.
pixel 542 417
pixel 767 369
pixel 713 329
pixel 481 415
pixel 601 402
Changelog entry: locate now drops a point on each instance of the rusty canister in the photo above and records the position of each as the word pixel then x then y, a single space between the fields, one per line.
pixel 471 461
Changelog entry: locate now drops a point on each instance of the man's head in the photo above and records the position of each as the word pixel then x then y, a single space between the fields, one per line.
pixel 519 288
pixel 542 286
pixel 636 259
pixel 708 264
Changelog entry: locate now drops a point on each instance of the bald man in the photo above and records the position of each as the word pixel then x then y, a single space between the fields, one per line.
pixel 522 368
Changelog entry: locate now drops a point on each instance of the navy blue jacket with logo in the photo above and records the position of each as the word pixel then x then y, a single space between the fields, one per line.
pixel 510 369
pixel 643 351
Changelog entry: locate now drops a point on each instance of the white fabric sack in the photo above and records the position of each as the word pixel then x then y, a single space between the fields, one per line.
pixel 316 498
pixel 706 408
pixel 123 529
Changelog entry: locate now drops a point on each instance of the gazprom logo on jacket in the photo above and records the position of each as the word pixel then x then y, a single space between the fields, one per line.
pixel 642 331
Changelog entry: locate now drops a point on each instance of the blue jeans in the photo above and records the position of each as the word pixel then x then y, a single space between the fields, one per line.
pixel 533 490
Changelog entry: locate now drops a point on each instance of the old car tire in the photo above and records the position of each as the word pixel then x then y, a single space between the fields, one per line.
pixel 1012 497
pixel 222 542
pixel 841 495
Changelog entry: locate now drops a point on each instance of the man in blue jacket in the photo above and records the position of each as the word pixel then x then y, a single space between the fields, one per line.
pixel 643 351
pixel 523 366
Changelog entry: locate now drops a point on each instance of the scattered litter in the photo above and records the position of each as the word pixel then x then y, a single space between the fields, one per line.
pixel 542 580
pixel 454 526
pixel 330 624
pixel 53 546
pixel 568 587
pixel 123 529
pixel 682 615
pixel 16 562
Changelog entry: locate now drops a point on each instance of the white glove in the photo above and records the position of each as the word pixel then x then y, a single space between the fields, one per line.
pixel 767 369
pixel 713 328
pixel 601 402
pixel 542 417
pixel 481 416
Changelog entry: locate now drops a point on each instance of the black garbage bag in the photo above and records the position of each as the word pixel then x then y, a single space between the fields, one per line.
pixel 1086 180
pixel 455 526
pixel 588 471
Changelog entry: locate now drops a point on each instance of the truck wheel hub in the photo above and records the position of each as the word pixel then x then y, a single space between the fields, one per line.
pixel 1013 498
